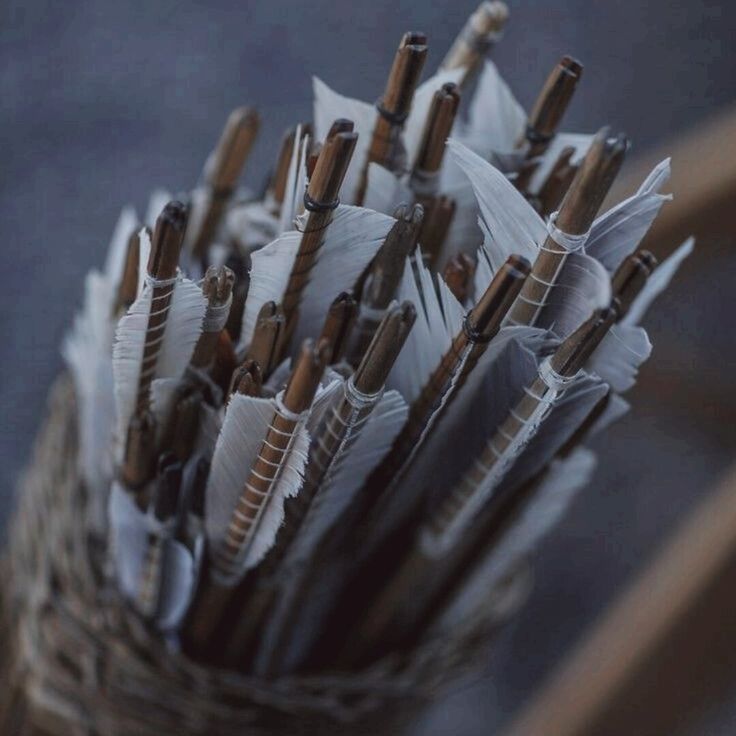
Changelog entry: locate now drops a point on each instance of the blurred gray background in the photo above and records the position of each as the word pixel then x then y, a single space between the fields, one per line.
pixel 102 101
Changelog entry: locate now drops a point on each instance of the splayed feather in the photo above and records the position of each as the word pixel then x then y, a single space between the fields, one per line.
pixel 251 225
pixel 509 222
pixel 439 319
pixel 618 232
pixel 144 251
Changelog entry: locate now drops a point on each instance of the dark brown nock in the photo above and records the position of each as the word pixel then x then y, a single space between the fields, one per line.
pixel 167 240
pixel 277 186
pixel 387 267
pixel 341 125
pixel 630 278
pixel 247 379
pixel 267 337
pixel 330 169
pixel 573 353
pixel 458 275
pixel 338 325
pixel 306 375
pixel 554 188
pixel 436 225
pixel 485 318
pixel 387 342
pixel 592 182
pixel 217 285
pixel 404 77
pixel 440 120
pixel 232 149
pixel 168 487
pixel 128 289
pixel 551 104
pixel 138 464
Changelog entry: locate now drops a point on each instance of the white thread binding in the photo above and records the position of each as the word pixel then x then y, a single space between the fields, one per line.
pixel 570 243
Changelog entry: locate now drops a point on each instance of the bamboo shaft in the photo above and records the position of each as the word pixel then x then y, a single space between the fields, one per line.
pixel 222 173
pixel 584 198
pixel 476 38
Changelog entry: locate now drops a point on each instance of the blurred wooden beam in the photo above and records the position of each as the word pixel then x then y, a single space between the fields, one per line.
pixel 703 182
pixel 664 650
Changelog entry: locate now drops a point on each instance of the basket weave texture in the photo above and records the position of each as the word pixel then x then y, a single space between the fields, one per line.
pixel 75 660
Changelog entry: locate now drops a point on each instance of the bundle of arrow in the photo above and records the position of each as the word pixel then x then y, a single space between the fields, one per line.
pixel 326 423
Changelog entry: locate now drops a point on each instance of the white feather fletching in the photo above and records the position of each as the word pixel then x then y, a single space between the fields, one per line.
pixel 183 327
pixel 86 350
pixel 130 529
pixel 350 243
pixel 510 223
pixel 156 202
pixel 384 190
pixel 495 384
pixel 251 225
pixel 118 248
pixel 344 479
pixel 618 232
pixel 270 269
pixel 144 251
pixel 296 182
pixel 618 357
pixel 495 119
pixel 571 409
pixel 582 286
pixel 553 497
pixel 245 425
pixel 328 107
pixel 181 568
pixel 657 283
pixel 287 486
pixel 439 319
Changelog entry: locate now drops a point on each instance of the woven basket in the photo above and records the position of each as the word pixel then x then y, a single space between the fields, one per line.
pixel 76 660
